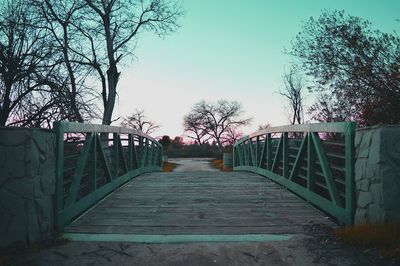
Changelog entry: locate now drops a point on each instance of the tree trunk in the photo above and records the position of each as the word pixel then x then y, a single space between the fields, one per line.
pixel 77 116
pixel 112 80
pixel 5 109
pixel 112 73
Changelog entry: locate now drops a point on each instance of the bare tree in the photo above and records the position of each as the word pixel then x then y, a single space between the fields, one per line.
pixel 293 92
pixel 117 24
pixel 264 126
pixel 26 92
pixel 196 128
pixel 220 117
pixel 34 86
pixel 139 121
pixel 232 135
pixel 60 20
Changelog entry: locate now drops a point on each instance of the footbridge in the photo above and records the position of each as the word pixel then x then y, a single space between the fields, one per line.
pixel 110 186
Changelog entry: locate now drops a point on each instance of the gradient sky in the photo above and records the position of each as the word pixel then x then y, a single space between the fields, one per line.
pixel 227 49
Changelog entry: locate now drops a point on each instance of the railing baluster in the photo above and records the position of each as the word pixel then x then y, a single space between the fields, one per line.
pixel 325 169
pixel 252 153
pixel 285 151
pixel 78 173
pixel 269 152
pixel 93 176
pixel 114 156
pixel 257 162
pixel 310 164
pixel 59 172
pixel 349 167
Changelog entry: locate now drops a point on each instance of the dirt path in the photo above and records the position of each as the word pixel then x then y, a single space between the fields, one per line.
pixel 193 165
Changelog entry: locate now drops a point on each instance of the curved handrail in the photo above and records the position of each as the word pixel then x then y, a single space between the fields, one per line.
pixel 333 127
pixel 315 161
pixel 86 128
pixel 93 160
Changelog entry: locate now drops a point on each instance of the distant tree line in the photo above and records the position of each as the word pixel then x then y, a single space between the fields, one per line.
pixel 178 148
pixel 58 58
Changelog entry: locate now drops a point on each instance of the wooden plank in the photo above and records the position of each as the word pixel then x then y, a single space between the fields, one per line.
pixel 199 203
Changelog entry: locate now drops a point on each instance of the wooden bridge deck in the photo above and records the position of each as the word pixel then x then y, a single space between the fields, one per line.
pixel 199 203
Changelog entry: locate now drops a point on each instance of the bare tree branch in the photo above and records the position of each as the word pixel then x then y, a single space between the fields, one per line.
pixel 139 121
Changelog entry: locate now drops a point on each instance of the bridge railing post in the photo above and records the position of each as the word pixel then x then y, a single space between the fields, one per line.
pixel 59 170
pixel 349 166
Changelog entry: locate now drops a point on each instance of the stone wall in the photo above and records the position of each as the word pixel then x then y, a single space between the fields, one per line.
pixel 27 185
pixel 377 174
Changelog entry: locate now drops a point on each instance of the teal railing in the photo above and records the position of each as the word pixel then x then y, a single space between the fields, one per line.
pixel 94 160
pixel 315 161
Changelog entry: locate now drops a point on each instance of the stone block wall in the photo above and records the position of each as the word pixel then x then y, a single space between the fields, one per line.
pixel 377 174
pixel 27 185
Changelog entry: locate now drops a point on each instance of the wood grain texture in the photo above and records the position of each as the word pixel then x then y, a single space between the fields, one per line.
pixel 199 203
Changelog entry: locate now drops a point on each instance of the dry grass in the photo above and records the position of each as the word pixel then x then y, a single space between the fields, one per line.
pixel 384 237
pixel 169 167
pixel 217 163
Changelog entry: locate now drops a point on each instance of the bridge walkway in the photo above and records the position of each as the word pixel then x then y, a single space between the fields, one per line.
pixel 199 203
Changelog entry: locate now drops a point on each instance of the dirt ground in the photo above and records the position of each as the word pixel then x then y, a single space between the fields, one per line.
pixel 316 247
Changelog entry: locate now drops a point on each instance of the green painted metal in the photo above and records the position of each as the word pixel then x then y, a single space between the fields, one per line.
pixel 257 150
pixel 252 153
pixel 159 239
pixel 285 160
pixel 350 158
pixel 310 164
pixel 325 168
pixel 269 151
pixel 81 163
pixel 299 157
pixel 99 165
pixel 277 154
pixel 318 169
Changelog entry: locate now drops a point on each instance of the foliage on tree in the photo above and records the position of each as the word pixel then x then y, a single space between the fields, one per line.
pixel 354 65
pixel 220 119
pixel 165 142
pixel 329 109
pixel 293 92
pixel 137 120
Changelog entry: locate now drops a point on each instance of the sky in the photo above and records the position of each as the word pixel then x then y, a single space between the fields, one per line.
pixel 227 49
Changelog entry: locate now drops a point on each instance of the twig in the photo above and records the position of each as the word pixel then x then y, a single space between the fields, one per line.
pixel 117 251
pixel 250 255
pixel 61 254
